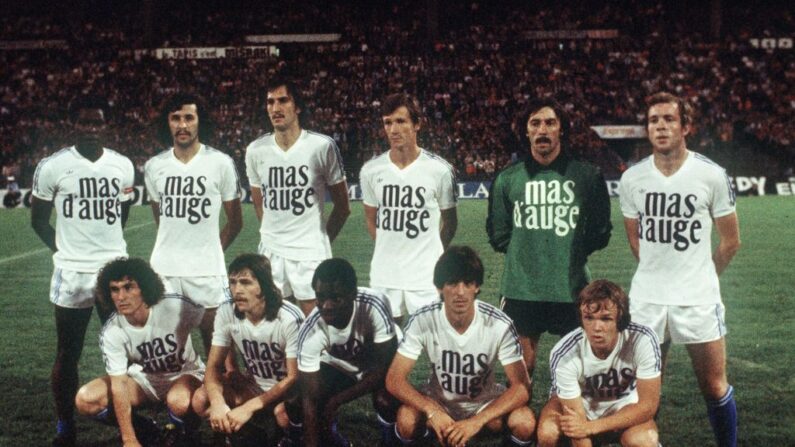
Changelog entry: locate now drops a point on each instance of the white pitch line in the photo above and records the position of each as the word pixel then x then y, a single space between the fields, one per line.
pixel 39 251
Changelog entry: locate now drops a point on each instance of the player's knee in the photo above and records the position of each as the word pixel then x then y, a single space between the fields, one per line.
pixel 640 438
pixel 408 423
pixel 522 423
pixel 178 402
pixel 548 432
pixel 281 416
pixel 200 403
pixel 88 402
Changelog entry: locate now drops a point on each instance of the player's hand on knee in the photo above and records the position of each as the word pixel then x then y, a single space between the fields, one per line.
pixel 439 423
pixel 458 433
pixel 573 425
pixel 238 417
pixel 218 418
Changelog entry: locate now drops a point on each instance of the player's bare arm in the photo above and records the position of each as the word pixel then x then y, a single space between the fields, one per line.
pixel 40 212
pixel 514 397
pixel 213 386
pixel 256 199
pixel 728 228
pixel 125 212
pixel 122 407
pixel 241 414
pixel 370 213
pixel 234 222
pixel 398 385
pixel 575 425
pixel 155 212
pixel 449 225
pixel 631 227
pixel 340 211
pixel 310 389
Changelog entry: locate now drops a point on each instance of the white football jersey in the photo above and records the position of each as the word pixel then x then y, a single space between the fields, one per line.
pixel 605 385
pixel 462 365
pixel 87 199
pixel 265 346
pixel 675 215
pixel 191 197
pixel 162 346
pixel 293 184
pixel 409 202
pixel 348 349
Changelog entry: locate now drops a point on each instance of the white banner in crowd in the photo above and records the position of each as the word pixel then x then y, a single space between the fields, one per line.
pixel 293 38
pixel 619 132
pixel 244 52
pixel 744 185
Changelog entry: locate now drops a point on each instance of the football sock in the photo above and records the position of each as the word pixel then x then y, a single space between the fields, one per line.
pixel 294 432
pixel 105 416
pixel 723 418
pixel 387 430
pixel 518 442
pixel 65 427
pixel 404 441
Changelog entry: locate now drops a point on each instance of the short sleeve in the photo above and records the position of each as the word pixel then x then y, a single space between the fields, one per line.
pixel 413 341
pixel 222 326
pixel 43 183
pixel 647 355
pixel 723 196
pixel 333 166
pixel 312 342
pixel 369 196
pixel 290 331
pixel 381 318
pixel 251 167
pixel 111 343
pixel 128 180
pixel 510 349
pixel 448 189
pixel 565 383
pixel 150 181
pixel 628 208
pixel 230 184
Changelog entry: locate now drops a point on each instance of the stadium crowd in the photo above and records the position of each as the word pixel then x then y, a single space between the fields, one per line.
pixel 475 75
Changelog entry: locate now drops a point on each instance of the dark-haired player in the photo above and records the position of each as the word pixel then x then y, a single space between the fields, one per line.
pixel 290 171
pixel 409 197
pixel 344 350
pixel 605 376
pixel 188 185
pixel 148 354
pixel 464 339
pixel 547 214
pixel 265 331
pixel 88 186
pixel 670 202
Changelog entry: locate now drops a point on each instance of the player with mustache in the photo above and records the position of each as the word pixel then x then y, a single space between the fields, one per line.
pixel 547 213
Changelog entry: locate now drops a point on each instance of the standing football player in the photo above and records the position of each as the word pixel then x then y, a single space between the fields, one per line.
pixel 605 376
pixel 464 338
pixel 188 185
pixel 670 202
pixel 547 214
pixel 344 350
pixel 290 171
pixel 265 331
pixel 148 354
pixel 409 199
pixel 88 185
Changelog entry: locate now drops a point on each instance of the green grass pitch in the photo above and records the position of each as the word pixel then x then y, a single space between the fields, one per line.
pixel 757 290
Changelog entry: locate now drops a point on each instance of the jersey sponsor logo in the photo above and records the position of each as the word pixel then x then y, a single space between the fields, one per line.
pixel 667 219
pixel 547 205
pixel 402 210
pixel 348 350
pixel 183 198
pixel 464 374
pixel 287 189
pixel 265 360
pixel 612 384
pixel 97 198
pixel 162 354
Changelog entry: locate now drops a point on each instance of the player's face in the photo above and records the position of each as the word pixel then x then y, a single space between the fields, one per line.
pixel 334 303
pixel 184 125
pixel 126 296
pixel 246 292
pixel 282 110
pixel 665 129
pixel 400 130
pixel 543 130
pixel 90 126
pixel 459 297
pixel 600 323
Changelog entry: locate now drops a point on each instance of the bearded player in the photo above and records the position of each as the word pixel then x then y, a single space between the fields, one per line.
pixel 290 171
pixel 88 186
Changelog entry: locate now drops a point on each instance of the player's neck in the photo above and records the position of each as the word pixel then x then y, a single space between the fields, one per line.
pixel 90 153
pixel 186 154
pixel 668 163
pixel 460 321
pixel 286 138
pixel 255 315
pixel 139 317
pixel 403 156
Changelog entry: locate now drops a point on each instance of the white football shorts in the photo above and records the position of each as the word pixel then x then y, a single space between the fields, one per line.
pixel 71 289
pixel 206 291
pixel 156 386
pixel 681 324
pixel 293 278
pixel 406 302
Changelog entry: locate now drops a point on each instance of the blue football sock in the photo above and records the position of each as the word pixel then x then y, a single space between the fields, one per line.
pixel 723 418
pixel 65 427
pixel 387 431
pixel 176 420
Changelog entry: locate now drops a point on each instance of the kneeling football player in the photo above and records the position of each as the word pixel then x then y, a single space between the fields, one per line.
pixel 464 338
pixel 344 349
pixel 148 354
pixel 605 376
pixel 265 331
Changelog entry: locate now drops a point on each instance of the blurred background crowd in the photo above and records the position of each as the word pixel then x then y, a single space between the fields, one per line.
pixel 473 66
